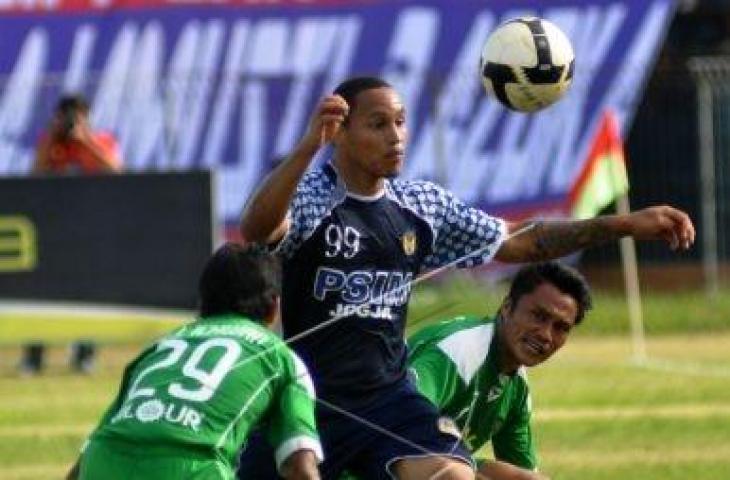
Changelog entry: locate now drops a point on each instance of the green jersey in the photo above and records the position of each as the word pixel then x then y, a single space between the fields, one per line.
pixel 200 390
pixel 454 363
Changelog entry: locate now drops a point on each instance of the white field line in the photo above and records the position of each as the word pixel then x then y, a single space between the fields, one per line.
pixel 682 411
pixel 38 402
pixel 682 367
pixel 28 472
pixel 45 431
pixel 686 454
pixel 546 415
pixel 602 459
pixel 49 310
pixel 705 369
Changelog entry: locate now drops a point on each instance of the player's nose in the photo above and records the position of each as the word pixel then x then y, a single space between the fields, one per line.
pixel 394 135
pixel 544 333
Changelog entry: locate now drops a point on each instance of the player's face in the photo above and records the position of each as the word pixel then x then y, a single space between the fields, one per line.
pixel 374 140
pixel 537 326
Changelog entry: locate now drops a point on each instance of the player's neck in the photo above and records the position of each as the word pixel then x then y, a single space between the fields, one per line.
pixel 506 362
pixel 506 365
pixel 357 181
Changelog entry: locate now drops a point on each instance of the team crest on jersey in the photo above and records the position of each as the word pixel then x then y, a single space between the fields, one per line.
pixel 150 411
pixel 494 393
pixel 409 242
pixel 448 426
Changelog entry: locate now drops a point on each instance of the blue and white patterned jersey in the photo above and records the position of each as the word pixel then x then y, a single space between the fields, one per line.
pixel 354 259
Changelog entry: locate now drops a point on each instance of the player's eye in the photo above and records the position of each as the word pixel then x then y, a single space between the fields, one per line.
pixel 562 327
pixel 540 316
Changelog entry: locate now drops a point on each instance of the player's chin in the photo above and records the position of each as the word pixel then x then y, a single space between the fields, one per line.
pixel 530 357
pixel 531 361
pixel 392 169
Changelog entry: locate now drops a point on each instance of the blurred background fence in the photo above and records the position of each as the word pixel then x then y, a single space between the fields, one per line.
pixel 675 112
pixel 135 239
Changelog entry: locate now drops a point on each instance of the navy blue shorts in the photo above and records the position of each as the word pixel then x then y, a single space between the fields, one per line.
pixel 402 424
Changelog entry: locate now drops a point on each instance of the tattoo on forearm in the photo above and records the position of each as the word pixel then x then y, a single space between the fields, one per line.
pixel 558 238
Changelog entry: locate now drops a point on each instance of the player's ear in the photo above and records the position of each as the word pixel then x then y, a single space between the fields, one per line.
pixel 342 128
pixel 506 307
pixel 340 133
pixel 274 311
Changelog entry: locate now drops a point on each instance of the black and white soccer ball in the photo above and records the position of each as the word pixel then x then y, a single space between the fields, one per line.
pixel 527 64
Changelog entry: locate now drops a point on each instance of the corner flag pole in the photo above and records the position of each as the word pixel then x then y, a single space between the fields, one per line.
pixel 631 284
pixel 603 180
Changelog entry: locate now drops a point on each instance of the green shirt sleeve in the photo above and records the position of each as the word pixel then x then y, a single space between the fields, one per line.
pixel 513 443
pixel 292 425
pixel 437 379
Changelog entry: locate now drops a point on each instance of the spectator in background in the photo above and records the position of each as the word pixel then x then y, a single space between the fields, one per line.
pixel 71 146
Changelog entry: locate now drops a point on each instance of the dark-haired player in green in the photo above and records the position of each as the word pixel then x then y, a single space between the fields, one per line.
pixel 473 369
pixel 188 403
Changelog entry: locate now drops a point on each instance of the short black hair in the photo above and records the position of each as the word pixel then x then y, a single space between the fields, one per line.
pixel 350 88
pixel 72 103
pixel 241 280
pixel 562 277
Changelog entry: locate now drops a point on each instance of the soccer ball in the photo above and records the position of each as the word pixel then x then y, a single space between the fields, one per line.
pixel 527 63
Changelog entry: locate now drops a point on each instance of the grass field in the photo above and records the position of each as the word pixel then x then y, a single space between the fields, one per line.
pixel 599 415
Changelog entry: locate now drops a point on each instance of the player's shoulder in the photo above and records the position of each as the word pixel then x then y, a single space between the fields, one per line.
pixel 446 335
pixel 461 323
pixel 469 330
pixel 427 199
pixel 421 190
pixel 291 368
pixel 318 191
pixel 467 343
pixel 319 179
pixel 301 373
pixel 235 327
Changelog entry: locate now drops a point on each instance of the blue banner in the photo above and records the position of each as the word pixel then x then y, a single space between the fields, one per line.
pixel 229 86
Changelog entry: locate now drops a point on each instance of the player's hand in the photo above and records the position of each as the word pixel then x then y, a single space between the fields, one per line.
pixel 326 120
pixel 663 223
pixel 301 465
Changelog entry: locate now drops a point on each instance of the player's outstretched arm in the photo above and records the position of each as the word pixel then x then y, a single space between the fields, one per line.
pixel 555 239
pixel 496 470
pixel 300 465
pixel 264 217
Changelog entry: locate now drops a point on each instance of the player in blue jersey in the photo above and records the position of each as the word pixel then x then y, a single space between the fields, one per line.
pixel 352 237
